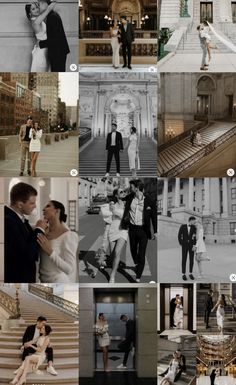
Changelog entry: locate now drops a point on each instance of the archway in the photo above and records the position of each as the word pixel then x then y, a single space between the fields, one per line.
pixel 131 9
pixel 205 88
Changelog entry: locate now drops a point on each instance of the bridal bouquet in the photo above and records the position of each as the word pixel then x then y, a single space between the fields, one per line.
pixel 101 330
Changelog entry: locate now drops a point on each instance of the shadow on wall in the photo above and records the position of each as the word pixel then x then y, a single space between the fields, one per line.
pixel 17 39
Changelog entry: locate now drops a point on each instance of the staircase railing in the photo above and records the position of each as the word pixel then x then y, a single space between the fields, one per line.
pixel 204 151
pixel 10 304
pixel 47 294
pixel 193 381
pixel 229 299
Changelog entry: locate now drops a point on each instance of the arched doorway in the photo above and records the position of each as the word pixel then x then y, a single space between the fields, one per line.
pixel 130 9
pixel 205 88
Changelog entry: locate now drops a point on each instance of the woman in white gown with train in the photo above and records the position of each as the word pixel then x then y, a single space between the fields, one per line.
pixel 200 249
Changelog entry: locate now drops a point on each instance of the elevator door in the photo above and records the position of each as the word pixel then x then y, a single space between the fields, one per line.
pixel 206 11
pixel 113 305
pixel 233 4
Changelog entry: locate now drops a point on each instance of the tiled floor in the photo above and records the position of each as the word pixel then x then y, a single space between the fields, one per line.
pixel 114 378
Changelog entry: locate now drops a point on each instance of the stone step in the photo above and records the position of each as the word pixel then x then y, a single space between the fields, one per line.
pixel 55 334
pixel 61 345
pixel 59 363
pixel 58 353
pixel 65 377
pixel 7 337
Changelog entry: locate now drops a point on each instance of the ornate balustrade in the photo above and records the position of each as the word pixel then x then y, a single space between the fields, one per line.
pixel 84 136
pixel 46 293
pixel 105 49
pixel 11 305
pixel 95 34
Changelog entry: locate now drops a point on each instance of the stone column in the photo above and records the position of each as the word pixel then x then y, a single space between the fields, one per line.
pixel 206 210
pixel 165 194
pixel 95 114
pixel 225 197
pixel 177 192
pixel 190 194
pixel 215 196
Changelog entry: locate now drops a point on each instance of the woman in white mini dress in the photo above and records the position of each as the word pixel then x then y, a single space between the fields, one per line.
pixel 115 32
pixel 58 255
pixel 179 314
pixel 35 135
pixel 40 62
pixel 200 248
pixel 172 371
pixel 101 330
pixel 220 312
pixel 33 361
pixel 133 152
pixel 117 237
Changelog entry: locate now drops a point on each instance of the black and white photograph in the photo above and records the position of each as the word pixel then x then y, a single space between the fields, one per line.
pixel 196 229
pixel 38 36
pixel 118 36
pixel 118 124
pixel 118 335
pixel 40 230
pixel 176 309
pixel 118 230
pixel 216 357
pixel 39 333
pixel 216 308
pixel 39 124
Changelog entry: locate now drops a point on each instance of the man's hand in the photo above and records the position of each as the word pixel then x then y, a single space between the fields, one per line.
pixel 154 236
pixel 42 223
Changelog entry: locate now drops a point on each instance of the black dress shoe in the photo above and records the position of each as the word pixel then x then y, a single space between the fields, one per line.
pixel 191 276
pixel 21 174
pixel 184 277
pixel 207 327
pixel 130 68
pixel 29 173
pixel 124 66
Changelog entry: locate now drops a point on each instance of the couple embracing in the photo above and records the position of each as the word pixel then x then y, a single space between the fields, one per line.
pixel 50 242
pixel 122 34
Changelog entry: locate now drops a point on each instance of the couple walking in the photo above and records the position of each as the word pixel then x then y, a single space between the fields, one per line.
pixel 51 47
pixel 175 369
pixel 126 345
pixel 122 34
pixel 29 139
pixel 129 216
pixel 51 241
pixel 191 240
pixel 219 307
pixel 114 145
pixel 195 138
pixel 36 347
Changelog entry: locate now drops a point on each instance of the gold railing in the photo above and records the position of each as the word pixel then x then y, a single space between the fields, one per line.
pixel 10 304
pixel 47 294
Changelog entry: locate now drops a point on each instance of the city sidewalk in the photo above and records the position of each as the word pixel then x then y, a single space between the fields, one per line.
pixel 56 159
pixel 191 62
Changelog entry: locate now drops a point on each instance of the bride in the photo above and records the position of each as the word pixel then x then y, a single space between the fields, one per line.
pixel 33 361
pixel 179 314
pixel 58 247
pixel 115 44
pixel 40 62
pixel 220 312
pixel 172 370
pixel 200 248
pixel 133 152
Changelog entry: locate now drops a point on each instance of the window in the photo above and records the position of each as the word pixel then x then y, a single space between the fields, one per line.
pixel 170 188
pixel 169 202
pixel 233 228
pixel 203 194
pixel 214 228
pixel 181 199
pixel 194 196
pixel 159 204
pixel 233 193
pixel 181 185
pixel 233 209
pixel 72 215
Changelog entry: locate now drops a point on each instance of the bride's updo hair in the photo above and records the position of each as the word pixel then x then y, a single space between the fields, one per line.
pixel 60 206
pixel 28 11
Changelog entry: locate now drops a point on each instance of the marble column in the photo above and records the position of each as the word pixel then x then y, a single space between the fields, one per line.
pixel 190 194
pixel 165 195
pixel 206 210
pixel 95 114
pixel 177 192
pixel 225 197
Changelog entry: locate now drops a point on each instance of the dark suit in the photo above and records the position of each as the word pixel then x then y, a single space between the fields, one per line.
pixel 56 43
pixel 114 150
pixel 129 339
pixel 28 336
pixel 21 249
pixel 139 235
pixel 127 37
pixel 172 311
pixel 187 240
pixel 208 308
pixel 213 376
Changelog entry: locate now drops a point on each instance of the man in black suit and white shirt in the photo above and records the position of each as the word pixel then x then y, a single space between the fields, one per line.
pixel 21 247
pixel 129 340
pixel 140 211
pixel 187 239
pixel 127 38
pixel 32 332
pixel 114 145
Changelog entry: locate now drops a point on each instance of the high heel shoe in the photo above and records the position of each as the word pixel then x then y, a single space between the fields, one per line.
pixel 22 382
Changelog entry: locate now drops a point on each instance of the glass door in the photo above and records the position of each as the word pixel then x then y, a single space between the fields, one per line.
pixel 206 12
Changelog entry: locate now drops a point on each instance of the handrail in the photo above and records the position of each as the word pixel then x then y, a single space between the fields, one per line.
pixel 48 295
pixel 193 381
pixel 10 304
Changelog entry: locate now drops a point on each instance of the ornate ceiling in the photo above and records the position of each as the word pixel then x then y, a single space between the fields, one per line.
pixel 107 4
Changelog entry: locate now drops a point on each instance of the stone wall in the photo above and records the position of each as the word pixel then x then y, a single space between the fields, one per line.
pixel 1 229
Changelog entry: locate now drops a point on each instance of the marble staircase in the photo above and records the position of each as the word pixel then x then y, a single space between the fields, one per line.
pixel 64 339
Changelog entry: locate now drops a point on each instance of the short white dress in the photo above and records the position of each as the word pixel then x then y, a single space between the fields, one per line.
pixel 103 335
pixel 40 62
pixel 172 371
pixel 134 162
pixel 115 232
pixel 35 144
pixel 201 247
pixel 220 316
pixel 40 355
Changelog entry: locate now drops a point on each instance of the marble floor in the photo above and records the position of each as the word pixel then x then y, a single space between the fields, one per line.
pixel 108 68
pixel 114 378
pixel 176 332
pixel 222 380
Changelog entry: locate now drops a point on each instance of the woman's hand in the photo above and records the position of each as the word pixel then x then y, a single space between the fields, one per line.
pixel 44 244
pixel 52 5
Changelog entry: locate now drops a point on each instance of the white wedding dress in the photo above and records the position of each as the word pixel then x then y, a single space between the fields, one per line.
pixel 172 371
pixel 115 49
pixel 179 316
pixel 40 355
pixel 201 247
pixel 40 62
pixel 35 144
pixel 61 265
pixel 134 163
pixel 220 316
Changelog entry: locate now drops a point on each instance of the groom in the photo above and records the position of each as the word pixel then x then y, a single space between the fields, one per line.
pixel 187 240
pixel 127 38
pixel 21 247
pixel 56 42
pixel 114 145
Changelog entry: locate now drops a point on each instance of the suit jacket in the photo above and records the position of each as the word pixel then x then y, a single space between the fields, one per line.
pixel 22 133
pixel 182 363
pixel 56 38
pixel 128 35
pixel 28 334
pixel 21 249
pixel 208 303
pixel 130 331
pixel 119 141
pixel 149 214
pixel 187 239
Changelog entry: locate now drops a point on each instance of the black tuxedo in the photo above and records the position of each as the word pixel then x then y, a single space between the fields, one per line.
pixel 213 376
pixel 129 339
pixel 28 336
pixel 56 43
pixel 114 150
pixel 187 239
pixel 139 235
pixel 127 37
pixel 208 308
pixel 21 249
pixel 172 311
